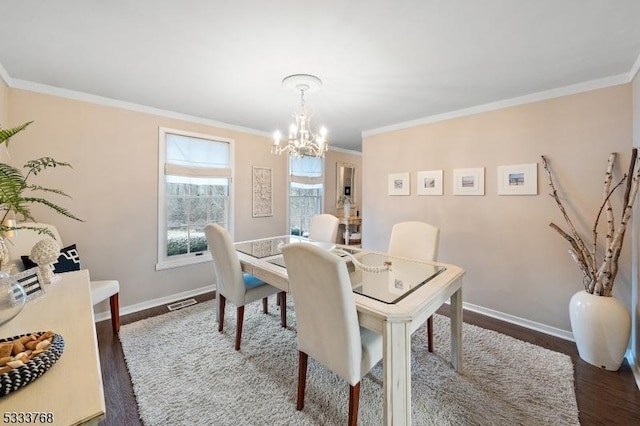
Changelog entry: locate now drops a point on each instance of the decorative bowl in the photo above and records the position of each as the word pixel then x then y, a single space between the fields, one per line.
pixel 34 368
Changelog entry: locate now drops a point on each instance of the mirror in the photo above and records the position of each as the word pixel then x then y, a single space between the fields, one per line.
pixel 346 183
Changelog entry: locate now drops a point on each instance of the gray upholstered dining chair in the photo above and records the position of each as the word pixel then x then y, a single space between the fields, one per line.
pixel 327 321
pixel 23 241
pixel 324 227
pixel 417 240
pixel 233 285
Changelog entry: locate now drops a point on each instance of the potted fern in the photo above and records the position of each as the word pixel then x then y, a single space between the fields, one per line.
pixel 601 324
pixel 18 194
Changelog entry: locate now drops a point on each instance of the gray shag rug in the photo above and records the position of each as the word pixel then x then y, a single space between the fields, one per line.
pixel 186 373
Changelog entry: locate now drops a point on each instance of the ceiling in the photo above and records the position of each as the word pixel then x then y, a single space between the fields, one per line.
pixel 381 62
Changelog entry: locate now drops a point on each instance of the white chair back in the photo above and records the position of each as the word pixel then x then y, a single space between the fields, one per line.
pixel 417 240
pixel 24 239
pixel 324 227
pixel 326 317
pixel 229 280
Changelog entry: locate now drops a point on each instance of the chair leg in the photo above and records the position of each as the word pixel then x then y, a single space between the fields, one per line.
pixel 354 401
pixel 240 319
pixel 265 307
pixel 282 301
pixel 430 333
pixel 115 313
pixel 221 304
pixel 302 378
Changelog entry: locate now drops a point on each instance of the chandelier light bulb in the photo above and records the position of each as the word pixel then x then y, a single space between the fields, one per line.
pixel 302 140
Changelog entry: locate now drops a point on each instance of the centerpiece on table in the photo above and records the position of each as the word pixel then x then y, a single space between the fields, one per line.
pixel 601 324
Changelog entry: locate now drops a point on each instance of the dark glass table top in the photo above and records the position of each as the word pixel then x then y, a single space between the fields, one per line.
pixel 378 276
pixel 391 285
pixel 266 247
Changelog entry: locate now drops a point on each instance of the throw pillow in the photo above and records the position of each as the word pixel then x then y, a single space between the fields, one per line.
pixel 69 260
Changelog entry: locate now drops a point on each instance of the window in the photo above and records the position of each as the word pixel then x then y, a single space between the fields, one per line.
pixel 306 191
pixel 194 190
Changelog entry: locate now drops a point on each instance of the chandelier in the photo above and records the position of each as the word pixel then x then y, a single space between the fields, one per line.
pixel 301 141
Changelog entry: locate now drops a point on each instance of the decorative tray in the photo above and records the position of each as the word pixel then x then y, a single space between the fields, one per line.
pixel 26 357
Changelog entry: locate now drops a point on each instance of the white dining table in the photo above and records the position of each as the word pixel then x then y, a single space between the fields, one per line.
pixel 393 303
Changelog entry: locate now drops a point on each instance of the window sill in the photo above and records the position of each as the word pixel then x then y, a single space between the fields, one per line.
pixel 183 261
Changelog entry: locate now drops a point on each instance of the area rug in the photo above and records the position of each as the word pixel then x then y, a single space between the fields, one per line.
pixel 186 373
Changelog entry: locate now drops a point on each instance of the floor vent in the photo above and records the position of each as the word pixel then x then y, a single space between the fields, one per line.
pixel 181 304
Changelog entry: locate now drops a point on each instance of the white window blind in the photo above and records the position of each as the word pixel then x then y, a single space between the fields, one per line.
pixel 194 189
pixel 306 170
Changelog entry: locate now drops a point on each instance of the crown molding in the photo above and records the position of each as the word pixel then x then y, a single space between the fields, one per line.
pixel 507 103
pixel 4 75
pixel 101 100
pixel 634 69
pixel 344 151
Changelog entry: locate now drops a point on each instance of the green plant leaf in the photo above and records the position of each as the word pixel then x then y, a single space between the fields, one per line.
pixel 5 134
pixel 53 206
pixel 50 190
pixel 11 186
pixel 36 166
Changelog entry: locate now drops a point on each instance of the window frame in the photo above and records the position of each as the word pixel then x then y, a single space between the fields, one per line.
pixel 289 181
pixel 163 261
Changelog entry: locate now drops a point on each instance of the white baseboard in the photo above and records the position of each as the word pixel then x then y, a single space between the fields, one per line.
pixel 532 325
pixel 155 302
pixel 635 368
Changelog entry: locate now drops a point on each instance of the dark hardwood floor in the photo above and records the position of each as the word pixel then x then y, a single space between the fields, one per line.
pixel 604 397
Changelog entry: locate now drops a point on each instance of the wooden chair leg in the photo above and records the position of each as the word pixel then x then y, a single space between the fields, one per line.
pixel 282 301
pixel 354 401
pixel 430 333
pixel 115 313
pixel 239 319
pixel 221 304
pixel 265 307
pixel 302 378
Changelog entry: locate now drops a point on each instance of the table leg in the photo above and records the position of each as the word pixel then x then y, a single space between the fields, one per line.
pixel 397 373
pixel 456 330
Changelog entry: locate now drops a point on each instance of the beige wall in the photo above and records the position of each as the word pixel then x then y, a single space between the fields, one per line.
pixel 4 116
pixel 4 104
pixel 515 263
pixel 332 158
pixel 114 184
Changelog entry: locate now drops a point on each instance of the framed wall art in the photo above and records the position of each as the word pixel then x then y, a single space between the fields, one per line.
pixel 262 191
pixel 429 183
pixel 468 181
pixel 399 184
pixel 519 179
pixel 31 281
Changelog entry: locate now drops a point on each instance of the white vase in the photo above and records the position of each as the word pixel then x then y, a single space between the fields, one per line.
pixel 601 328
pixel 347 209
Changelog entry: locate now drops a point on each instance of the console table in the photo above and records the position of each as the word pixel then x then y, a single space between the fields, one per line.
pixel 71 390
pixel 351 226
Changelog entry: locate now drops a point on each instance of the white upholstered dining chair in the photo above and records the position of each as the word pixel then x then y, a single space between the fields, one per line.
pixel 327 321
pixel 235 286
pixel 417 240
pixel 23 241
pixel 324 227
